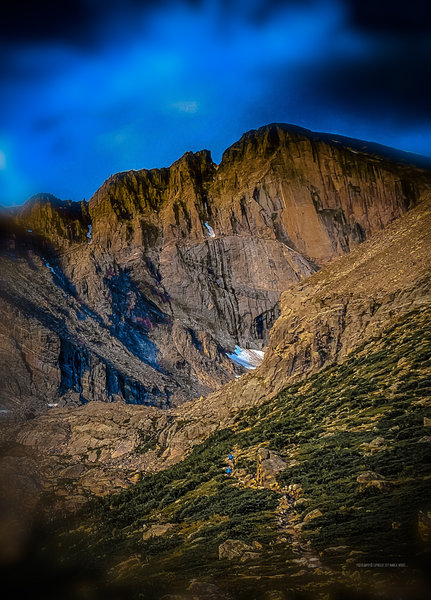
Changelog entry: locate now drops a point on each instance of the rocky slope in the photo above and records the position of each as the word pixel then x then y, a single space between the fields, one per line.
pixel 140 294
pixel 322 320
pixel 352 300
pixel 312 494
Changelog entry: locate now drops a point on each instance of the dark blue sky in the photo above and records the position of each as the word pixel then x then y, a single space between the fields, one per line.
pixel 89 88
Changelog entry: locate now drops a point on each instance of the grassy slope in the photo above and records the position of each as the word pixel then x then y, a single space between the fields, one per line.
pixel 382 390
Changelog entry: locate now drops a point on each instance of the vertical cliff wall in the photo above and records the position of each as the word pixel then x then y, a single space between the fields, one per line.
pixel 149 286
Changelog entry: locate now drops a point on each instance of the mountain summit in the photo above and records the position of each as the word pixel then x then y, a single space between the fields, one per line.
pixel 142 294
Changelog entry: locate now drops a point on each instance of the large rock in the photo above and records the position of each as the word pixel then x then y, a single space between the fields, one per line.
pixel 269 464
pixel 314 514
pixel 156 530
pixel 375 480
pixel 376 445
pixel 237 550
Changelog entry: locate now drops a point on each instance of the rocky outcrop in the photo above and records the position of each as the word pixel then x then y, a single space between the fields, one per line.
pixel 141 293
pixel 342 306
pixel 314 514
pixel 56 223
pixel 269 464
pixel 76 453
pixel 154 531
pixel 238 550
pixel 369 479
pixel 65 353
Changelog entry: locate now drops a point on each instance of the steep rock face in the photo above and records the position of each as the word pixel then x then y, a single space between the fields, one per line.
pixel 220 243
pixel 146 288
pixel 63 352
pixel 322 320
pixel 345 305
pixel 62 223
pixel 352 300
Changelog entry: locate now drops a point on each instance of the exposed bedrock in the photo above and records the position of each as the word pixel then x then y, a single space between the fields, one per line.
pixel 140 294
pixel 322 320
pixel 98 447
pixel 101 446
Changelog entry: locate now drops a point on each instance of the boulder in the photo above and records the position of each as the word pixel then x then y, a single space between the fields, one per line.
pixel 369 476
pixel 269 464
pixel 374 446
pixel 156 530
pixel 312 515
pixel 295 487
pixel 372 479
pixel 236 549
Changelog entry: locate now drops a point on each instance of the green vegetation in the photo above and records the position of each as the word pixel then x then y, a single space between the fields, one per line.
pixel 325 427
pixel 382 391
pixel 147 441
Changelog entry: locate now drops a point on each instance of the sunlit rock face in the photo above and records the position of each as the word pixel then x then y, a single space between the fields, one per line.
pixel 142 294
pixel 323 320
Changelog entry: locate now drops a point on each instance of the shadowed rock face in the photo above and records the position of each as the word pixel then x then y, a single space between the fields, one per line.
pixel 139 294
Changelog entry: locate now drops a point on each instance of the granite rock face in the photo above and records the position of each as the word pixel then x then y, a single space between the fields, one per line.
pixel 380 281
pixel 140 294
pixel 348 302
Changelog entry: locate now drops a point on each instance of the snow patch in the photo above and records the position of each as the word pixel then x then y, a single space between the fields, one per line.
pixel 29 231
pixel 250 359
pixel 210 230
pixel 48 266
pixel 51 405
pixel 89 233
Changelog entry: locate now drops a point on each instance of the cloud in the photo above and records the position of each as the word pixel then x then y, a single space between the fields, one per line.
pixel 115 85
pixel 187 106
